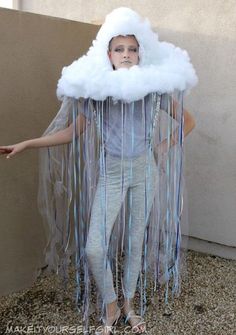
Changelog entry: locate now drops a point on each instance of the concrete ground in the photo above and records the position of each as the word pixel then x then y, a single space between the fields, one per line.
pixel 206 305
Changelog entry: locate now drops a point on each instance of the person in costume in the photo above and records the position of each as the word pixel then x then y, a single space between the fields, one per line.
pixel 117 138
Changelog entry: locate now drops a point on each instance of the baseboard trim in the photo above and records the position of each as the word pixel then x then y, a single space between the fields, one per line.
pixel 212 248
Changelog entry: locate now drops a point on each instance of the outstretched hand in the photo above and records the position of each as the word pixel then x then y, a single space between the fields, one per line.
pixel 12 150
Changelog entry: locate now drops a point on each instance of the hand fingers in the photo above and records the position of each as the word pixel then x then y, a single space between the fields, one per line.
pixel 5 151
pixel 9 150
pixel 11 154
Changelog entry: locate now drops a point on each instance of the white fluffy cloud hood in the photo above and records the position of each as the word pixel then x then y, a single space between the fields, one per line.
pixel 162 68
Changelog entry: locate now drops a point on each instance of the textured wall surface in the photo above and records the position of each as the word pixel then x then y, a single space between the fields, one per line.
pixel 34 49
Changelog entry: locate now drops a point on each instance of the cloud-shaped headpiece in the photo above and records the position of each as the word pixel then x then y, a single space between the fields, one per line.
pixel 162 68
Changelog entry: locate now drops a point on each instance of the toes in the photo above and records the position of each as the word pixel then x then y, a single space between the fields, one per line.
pixel 140 329
pixel 137 330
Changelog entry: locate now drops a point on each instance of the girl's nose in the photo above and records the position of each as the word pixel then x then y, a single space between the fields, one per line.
pixel 126 53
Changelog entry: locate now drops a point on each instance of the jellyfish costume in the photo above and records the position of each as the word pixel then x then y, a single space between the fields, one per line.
pixel 112 199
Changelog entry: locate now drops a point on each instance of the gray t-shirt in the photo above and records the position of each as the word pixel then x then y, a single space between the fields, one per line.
pixel 124 127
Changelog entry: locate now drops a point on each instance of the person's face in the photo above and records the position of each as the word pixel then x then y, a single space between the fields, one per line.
pixel 124 52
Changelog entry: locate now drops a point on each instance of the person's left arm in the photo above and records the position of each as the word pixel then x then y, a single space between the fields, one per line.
pixel 189 122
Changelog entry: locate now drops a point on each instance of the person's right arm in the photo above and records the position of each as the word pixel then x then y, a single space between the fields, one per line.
pixel 60 137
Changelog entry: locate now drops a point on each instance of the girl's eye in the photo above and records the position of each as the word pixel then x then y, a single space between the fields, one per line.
pixel 122 49
pixel 118 49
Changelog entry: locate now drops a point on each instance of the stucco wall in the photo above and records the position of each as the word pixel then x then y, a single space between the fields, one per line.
pixel 207 29
pixel 33 51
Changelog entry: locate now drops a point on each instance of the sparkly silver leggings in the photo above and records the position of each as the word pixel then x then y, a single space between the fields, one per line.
pixel 138 177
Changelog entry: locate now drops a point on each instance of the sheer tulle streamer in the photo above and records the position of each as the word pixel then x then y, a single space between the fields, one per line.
pixel 68 181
